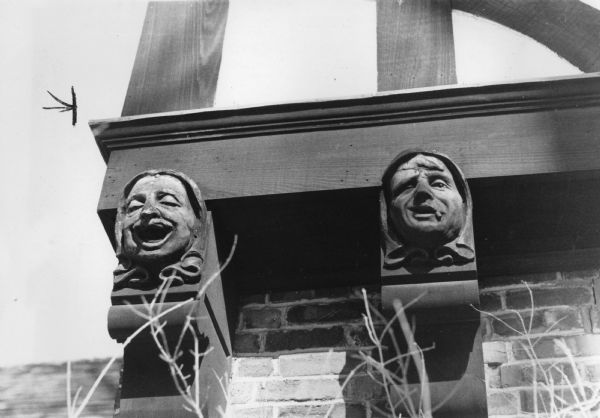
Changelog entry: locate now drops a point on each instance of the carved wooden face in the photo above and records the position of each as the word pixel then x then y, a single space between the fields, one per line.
pixel 425 207
pixel 159 219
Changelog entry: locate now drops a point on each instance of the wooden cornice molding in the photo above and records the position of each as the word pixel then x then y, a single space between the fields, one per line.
pixel 411 106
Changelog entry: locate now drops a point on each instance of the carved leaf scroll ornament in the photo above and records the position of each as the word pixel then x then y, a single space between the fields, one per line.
pixel 160 231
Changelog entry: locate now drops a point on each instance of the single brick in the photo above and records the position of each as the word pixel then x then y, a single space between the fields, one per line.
pixel 489 302
pixel 290 296
pixel 323 313
pixel 302 339
pixel 518 279
pixel 240 392
pixel 560 399
pixel 494 352
pixel 261 318
pixel 520 299
pixel 562 319
pixel 595 317
pixel 543 348
pixel 584 345
pixel 544 320
pixel 514 324
pixel 521 375
pixel 362 388
pixel 252 299
pixel 299 390
pixel 253 366
pixel 492 376
pixel 338 410
pixel 592 372
pixel 503 403
pixel 581 274
pixel 486 329
pixel 260 412
pixel 305 364
pixel 246 343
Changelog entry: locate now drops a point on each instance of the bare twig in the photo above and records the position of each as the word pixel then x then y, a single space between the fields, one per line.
pixel 153 318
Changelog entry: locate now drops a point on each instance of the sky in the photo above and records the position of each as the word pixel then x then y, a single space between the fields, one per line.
pixel 57 261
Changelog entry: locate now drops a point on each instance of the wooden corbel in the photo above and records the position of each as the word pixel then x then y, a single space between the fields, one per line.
pixel 171 241
pixel 434 276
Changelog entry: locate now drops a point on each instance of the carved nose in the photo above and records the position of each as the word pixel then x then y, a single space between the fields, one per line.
pixel 148 212
pixel 422 193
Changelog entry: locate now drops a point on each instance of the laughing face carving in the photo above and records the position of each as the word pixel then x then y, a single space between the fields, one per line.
pixel 426 211
pixel 160 231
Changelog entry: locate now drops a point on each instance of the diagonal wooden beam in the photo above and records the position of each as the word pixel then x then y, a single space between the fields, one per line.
pixel 415 45
pixel 178 58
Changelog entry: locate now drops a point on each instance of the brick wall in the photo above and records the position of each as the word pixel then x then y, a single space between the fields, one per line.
pixel 565 311
pixel 293 350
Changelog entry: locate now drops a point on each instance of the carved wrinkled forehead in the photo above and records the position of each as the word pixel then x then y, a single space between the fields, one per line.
pixel 426 162
pixel 162 182
pixel 411 161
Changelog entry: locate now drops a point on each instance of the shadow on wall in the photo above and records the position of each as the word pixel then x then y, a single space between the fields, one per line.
pixel 452 357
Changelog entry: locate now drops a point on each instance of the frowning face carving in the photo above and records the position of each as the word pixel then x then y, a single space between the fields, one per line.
pixel 426 208
pixel 425 211
pixel 160 231
pixel 159 219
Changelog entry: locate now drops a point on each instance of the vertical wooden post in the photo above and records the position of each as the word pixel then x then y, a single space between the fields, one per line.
pixel 415 44
pixel 178 58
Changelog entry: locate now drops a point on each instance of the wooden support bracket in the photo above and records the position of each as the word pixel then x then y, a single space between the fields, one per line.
pixel 147 387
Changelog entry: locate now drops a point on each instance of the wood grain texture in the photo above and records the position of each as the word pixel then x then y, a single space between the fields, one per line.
pixel 570 28
pixel 486 146
pixel 179 56
pixel 415 45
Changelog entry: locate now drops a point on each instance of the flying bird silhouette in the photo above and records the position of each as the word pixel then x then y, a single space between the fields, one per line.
pixel 66 106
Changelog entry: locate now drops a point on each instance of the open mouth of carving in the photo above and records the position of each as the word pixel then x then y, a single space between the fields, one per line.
pixel 425 212
pixel 152 235
pixel 423 209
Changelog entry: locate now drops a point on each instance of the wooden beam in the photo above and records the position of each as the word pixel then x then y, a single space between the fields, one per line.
pixel 570 28
pixel 490 131
pixel 415 45
pixel 178 58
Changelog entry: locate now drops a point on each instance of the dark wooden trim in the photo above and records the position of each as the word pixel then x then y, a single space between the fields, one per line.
pixel 383 109
pixel 540 262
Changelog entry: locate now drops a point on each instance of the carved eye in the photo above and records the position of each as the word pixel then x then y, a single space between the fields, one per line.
pixel 134 205
pixel 439 184
pixel 403 187
pixel 169 200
